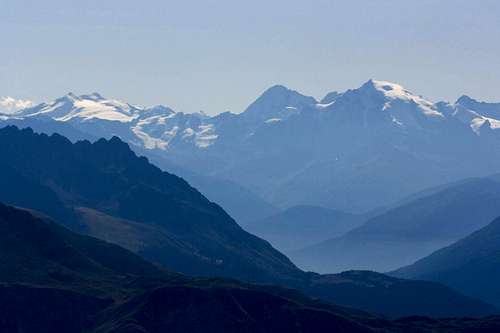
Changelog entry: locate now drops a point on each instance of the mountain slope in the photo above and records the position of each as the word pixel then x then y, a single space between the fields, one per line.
pixel 400 295
pixel 242 204
pixel 53 280
pixel 408 232
pixel 301 226
pixel 470 265
pixel 197 236
pixel 103 189
pixel 38 251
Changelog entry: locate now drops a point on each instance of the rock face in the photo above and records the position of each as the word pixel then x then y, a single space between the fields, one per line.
pixel 353 151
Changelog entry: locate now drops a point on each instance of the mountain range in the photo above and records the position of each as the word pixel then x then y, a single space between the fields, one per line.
pixel 412 229
pixel 301 226
pixel 104 190
pixel 53 280
pixel 353 151
pixel 240 202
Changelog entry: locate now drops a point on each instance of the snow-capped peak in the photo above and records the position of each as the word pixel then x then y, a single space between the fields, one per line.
pixel 277 102
pixel 10 105
pixel 465 100
pixel 391 90
pixel 86 107
pixel 478 115
pixel 394 92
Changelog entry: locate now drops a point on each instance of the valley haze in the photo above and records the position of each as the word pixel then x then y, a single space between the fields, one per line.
pixel 264 166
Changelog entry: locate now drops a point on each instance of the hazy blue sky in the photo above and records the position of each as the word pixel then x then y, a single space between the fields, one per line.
pixel 219 55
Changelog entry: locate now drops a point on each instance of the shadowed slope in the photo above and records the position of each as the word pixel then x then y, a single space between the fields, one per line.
pixel 471 265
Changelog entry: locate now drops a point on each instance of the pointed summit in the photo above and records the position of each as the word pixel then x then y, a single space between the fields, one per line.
pixel 383 103
pixel 277 89
pixel 388 89
pixel 277 102
pixel 465 100
pixel 486 109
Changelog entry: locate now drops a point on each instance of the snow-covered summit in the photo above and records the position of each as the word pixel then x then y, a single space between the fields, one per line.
pixel 277 102
pixel 379 105
pixel 85 108
pixel 354 150
pixel 395 93
pixel 480 116
pixel 10 105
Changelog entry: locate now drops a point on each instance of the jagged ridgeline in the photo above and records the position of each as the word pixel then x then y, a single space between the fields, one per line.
pixel 104 190
pixel 352 151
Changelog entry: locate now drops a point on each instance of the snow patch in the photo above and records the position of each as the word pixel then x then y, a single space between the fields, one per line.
pixel 322 106
pixel 148 141
pixel 394 91
pixel 188 132
pixel 89 109
pixel 476 123
pixel 206 136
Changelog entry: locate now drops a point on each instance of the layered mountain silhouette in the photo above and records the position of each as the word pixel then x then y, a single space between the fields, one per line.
pixel 403 234
pixel 353 151
pixel 470 265
pixel 104 190
pixel 241 203
pixel 301 226
pixel 154 213
pixel 53 280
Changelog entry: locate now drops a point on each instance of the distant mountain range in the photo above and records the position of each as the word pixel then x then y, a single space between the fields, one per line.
pixel 302 226
pixel 352 151
pixel 470 265
pixel 416 227
pixel 104 190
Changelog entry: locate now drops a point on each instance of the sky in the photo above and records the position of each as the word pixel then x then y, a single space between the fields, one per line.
pixel 219 55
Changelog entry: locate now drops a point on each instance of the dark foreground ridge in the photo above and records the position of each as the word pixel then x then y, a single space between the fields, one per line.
pixel 53 280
